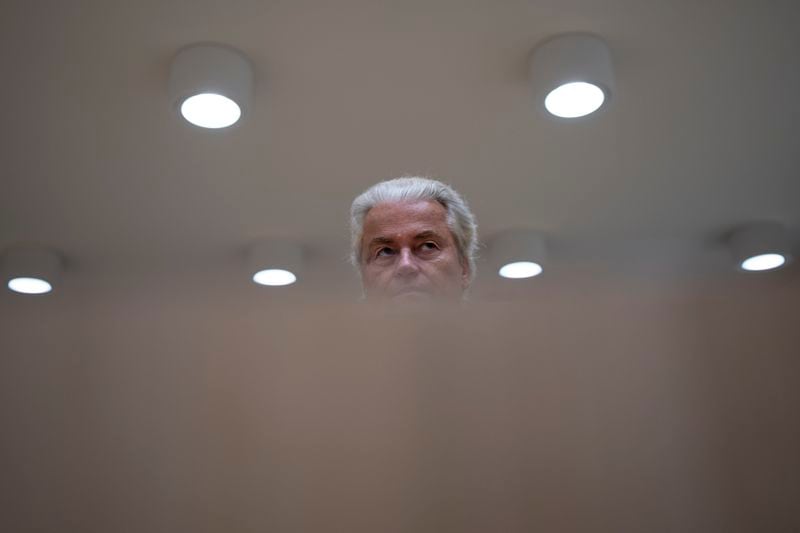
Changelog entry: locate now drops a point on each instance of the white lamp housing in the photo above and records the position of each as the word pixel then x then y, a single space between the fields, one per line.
pixel 31 269
pixel 571 75
pixel 211 85
pixel 274 262
pixel 761 246
pixel 517 254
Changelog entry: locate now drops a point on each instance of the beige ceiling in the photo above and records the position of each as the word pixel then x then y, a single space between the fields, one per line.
pixel 702 134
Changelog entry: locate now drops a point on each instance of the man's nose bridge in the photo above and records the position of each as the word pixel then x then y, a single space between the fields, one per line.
pixel 407 259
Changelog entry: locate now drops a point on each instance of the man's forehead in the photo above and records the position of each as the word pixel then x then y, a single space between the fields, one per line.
pixel 405 214
pixel 391 221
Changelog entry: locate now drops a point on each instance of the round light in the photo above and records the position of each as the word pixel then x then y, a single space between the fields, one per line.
pixel 573 100
pixel 210 110
pixel 274 277
pixel 520 269
pixel 29 285
pixel 763 262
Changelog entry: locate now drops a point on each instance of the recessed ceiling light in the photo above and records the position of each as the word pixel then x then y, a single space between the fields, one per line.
pixel 571 74
pixel 211 85
pixel 275 262
pixel 763 262
pixel 29 285
pixel 274 277
pixel 520 270
pixel 30 269
pixel 575 99
pixel 517 253
pixel 210 110
pixel 761 246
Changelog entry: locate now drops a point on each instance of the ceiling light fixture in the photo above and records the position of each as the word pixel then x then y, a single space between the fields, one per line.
pixel 211 85
pixel 274 263
pixel 761 247
pixel 571 74
pixel 517 254
pixel 520 269
pixel 31 269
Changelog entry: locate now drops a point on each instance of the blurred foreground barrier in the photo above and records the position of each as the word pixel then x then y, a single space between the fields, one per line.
pixel 615 415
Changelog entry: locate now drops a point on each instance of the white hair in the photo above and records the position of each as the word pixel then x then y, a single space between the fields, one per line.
pixel 460 219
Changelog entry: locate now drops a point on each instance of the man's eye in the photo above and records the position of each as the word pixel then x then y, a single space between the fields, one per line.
pixel 384 251
pixel 427 246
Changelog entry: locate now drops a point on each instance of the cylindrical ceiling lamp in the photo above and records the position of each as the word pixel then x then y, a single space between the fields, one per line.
pixel 274 262
pixel 517 254
pixel 31 269
pixel 211 85
pixel 571 74
pixel 761 246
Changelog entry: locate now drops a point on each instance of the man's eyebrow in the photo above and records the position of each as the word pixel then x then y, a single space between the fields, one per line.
pixel 380 240
pixel 388 240
pixel 426 234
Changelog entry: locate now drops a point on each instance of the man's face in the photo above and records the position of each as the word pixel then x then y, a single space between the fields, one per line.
pixel 409 254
